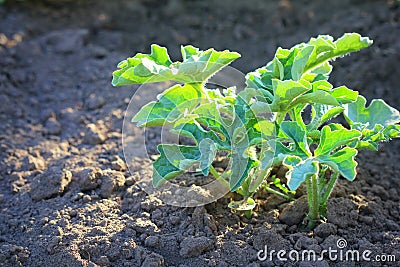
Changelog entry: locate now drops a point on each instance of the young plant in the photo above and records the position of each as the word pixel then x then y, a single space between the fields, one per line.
pixel 240 124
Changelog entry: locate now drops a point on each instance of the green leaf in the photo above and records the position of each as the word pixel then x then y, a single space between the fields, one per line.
pixel 188 51
pixel 336 126
pixel 265 127
pixel 285 92
pixel 215 116
pixel 257 99
pixel 279 71
pixel 342 161
pixel 297 114
pixel 308 61
pixel 268 159
pixel 317 97
pixel 331 140
pixel 243 154
pixel 260 107
pixel 298 138
pixel 240 168
pixel 171 105
pixel 226 97
pixel 377 122
pixel 320 73
pixel 392 131
pixel 371 138
pixel 176 159
pixel 292 141
pixel 197 133
pixel 208 151
pixel 278 183
pixel 323 44
pixel 378 112
pixel 322 85
pixel 321 114
pixel 242 162
pixel 344 95
pixel 168 165
pixel 300 62
pixel 299 170
pixel 197 66
pixel 243 205
pixel 205 122
pixel 328 50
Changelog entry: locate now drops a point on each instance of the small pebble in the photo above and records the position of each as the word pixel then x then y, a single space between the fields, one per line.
pixel 151 241
pixel 73 213
pixel 87 198
pixel 44 220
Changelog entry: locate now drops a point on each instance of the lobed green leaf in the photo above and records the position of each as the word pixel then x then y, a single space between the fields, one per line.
pixel 322 113
pixel 327 49
pixel 378 112
pixel 342 161
pixel 309 61
pixel 171 105
pixel 285 92
pixel 176 159
pixel 197 66
pixel 240 169
pixel 331 140
pixel 344 95
pixel 299 170
pixel 297 136
pixel 371 138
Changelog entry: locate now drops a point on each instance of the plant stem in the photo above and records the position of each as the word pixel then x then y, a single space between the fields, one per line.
pixel 329 188
pixel 309 193
pixel 313 201
pixel 280 117
pixel 248 213
pixel 269 189
pixel 218 177
pixel 292 115
pixel 321 180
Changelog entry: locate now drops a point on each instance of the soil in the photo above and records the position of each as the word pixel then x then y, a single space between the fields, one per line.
pixel 66 196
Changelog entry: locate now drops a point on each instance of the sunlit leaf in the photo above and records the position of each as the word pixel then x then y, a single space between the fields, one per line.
pixel 197 66
pixel 378 112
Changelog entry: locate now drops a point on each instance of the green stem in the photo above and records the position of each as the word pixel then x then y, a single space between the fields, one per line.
pixel 329 188
pixel 269 189
pixel 313 125
pixel 280 117
pixel 292 115
pixel 322 180
pixel 309 193
pixel 248 213
pixel 296 116
pixel 313 201
pixel 218 177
